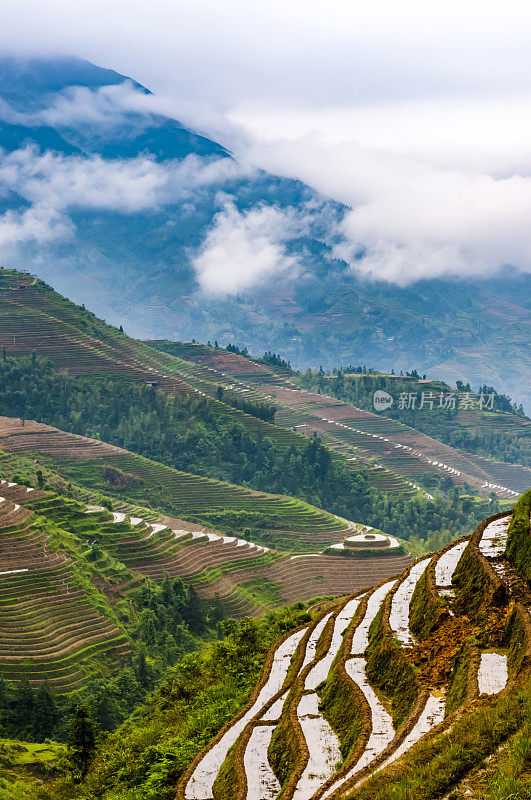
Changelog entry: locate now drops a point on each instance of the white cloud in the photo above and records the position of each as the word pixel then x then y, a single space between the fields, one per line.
pixel 52 185
pixel 484 133
pixel 106 106
pixel 228 51
pixel 416 115
pixel 415 212
pixel 429 223
pixel 243 249
pixel 113 105
pixel 64 182
pixel 38 224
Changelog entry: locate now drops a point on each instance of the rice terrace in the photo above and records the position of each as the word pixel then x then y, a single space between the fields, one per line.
pixel 265 433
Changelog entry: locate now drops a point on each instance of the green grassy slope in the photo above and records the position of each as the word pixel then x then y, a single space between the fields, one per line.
pixel 519 541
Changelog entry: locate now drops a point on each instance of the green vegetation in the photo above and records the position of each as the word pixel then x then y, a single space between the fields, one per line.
pixel 437 763
pixel 82 739
pixel 188 432
pixel 354 552
pixel 195 434
pixel 519 536
pixel 133 677
pixel 459 679
pixel 509 775
pixel 145 757
pixel 82 634
pixel 476 589
pixel 503 433
pixel 342 708
pixel 80 625
pixel 284 751
pixel 340 698
pixel 263 411
pixel 389 670
pixel 25 766
pixel 426 608
pixel 284 521
pixel 516 636
pixel 171 622
pixel 274 360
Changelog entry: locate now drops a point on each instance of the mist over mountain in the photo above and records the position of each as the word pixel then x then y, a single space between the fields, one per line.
pixel 162 230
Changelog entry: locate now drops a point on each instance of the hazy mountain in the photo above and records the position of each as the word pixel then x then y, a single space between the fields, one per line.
pixel 127 210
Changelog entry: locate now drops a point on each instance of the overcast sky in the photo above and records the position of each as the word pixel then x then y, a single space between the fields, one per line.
pixel 417 115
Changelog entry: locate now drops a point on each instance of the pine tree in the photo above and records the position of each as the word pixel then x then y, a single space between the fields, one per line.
pixel 194 612
pixel 107 710
pixel 24 704
pixel 82 738
pixel 142 670
pixel 4 693
pixel 45 712
pixel 148 626
pixel 217 613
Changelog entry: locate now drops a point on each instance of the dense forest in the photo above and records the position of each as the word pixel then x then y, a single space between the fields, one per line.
pixel 357 385
pixel 264 411
pixel 196 435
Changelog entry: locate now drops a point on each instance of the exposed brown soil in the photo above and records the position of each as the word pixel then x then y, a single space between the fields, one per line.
pixel 111 590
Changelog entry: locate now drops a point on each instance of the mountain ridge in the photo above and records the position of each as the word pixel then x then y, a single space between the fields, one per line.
pixel 34 317
pixel 138 269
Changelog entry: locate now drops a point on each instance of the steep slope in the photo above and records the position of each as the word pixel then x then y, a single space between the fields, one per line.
pixel 398 454
pixel 31 85
pixel 56 624
pixel 90 118
pixel 483 422
pixel 35 317
pixel 352 704
pixel 196 527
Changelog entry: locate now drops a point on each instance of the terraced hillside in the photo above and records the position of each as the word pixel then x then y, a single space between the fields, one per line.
pixel 225 540
pixel 54 623
pixel 34 317
pixel 405 688
pixel 394 446
pixel 397 454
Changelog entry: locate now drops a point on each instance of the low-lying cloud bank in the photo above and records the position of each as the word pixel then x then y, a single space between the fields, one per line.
pixel 424 202
pixel 245 249
pixel 414 214
pixel 49 186
pixel 415 115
